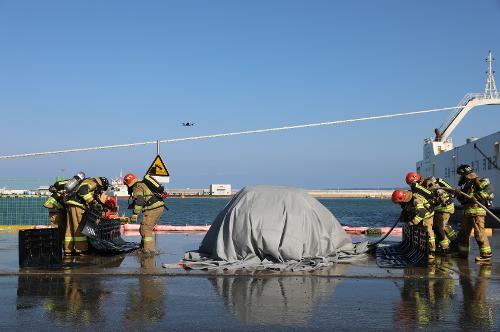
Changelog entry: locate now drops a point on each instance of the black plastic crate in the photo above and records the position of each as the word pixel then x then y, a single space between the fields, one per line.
pixel 105 234
pixel 40 248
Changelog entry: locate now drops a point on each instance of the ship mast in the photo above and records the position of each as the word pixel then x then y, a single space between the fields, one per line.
pixel 490 91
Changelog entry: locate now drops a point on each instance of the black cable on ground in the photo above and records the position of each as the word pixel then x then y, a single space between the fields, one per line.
pixel 386 235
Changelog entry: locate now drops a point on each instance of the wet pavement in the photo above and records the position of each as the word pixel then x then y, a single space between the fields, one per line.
pixel 134 291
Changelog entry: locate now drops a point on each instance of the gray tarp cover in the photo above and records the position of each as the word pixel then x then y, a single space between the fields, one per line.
pixel 280 228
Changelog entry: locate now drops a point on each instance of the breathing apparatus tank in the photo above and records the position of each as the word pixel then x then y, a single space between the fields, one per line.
pixel 153 185
pixel 74 182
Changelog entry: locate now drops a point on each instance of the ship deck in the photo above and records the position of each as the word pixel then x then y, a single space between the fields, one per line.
pixel 133 291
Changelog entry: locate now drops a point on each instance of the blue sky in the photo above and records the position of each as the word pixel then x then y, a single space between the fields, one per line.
pixel 86 73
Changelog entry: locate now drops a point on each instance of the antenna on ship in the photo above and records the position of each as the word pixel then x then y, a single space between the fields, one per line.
pixel 490 91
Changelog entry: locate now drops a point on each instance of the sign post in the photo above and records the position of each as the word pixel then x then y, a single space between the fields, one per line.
pixel 158 170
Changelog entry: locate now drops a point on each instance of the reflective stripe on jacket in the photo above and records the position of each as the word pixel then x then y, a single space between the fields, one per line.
pixel 417 188
pixel 53 203
pixel 450 208
pixel 144 198
pixel 478 188
pixel 474 210
pixel 419 209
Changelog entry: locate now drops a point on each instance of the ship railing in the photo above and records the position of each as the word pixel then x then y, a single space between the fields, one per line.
pixel 465 100
pixel 470 96
pixel 429 140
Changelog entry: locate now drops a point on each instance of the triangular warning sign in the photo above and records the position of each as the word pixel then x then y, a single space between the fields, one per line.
pixel 158 168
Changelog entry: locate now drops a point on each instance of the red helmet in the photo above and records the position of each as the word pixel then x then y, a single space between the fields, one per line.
pixel 413 177
pixel 129 179
pixel 401 196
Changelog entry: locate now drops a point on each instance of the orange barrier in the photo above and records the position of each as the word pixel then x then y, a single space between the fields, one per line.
pixel 133 228
pixel 395 231
pixel 372 230
pixel 168 228
pixel 157 228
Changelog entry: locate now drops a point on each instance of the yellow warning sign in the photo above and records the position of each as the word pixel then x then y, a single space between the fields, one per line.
pixel 158 167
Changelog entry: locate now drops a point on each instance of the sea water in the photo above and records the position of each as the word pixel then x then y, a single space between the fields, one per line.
pixel 202 211
pixel 350 212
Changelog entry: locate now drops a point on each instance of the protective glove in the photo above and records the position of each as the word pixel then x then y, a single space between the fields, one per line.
pixel 133 218
pixel 457 192
pixel 414 222
pixel 96 205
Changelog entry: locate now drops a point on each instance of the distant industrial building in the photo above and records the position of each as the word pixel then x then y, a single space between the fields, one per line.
pixel 220 189
pixel 40 191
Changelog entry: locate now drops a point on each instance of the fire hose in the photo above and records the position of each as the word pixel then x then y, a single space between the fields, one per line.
pixel 373 245
pixel 476 202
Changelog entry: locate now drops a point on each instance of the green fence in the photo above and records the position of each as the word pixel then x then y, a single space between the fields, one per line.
pixel 23 211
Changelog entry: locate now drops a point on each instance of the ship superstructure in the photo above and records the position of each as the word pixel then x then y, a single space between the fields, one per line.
pixel 118 188
pixel 441 158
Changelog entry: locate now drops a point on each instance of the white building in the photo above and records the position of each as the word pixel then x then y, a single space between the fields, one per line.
pixel 220 189
pixel 4 191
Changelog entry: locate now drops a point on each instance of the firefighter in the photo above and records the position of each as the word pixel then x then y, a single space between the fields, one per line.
pixel 476 190
pixel 147 198
pixel 417 211
pixel 89 193
pixel 441 202
pixel 443 209
pixel 418 185
pixel 55 204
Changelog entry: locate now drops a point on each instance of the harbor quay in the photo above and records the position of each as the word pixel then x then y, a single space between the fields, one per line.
pixel 317 193
pixel 352 193
pixel 133 291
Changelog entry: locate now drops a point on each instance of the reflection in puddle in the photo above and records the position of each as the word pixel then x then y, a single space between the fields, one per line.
pixel 145 301
pixel 65 299
pixel 283 300
pixel 436 297
pixel 476 311
pixel 84 301
pixel 450 296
